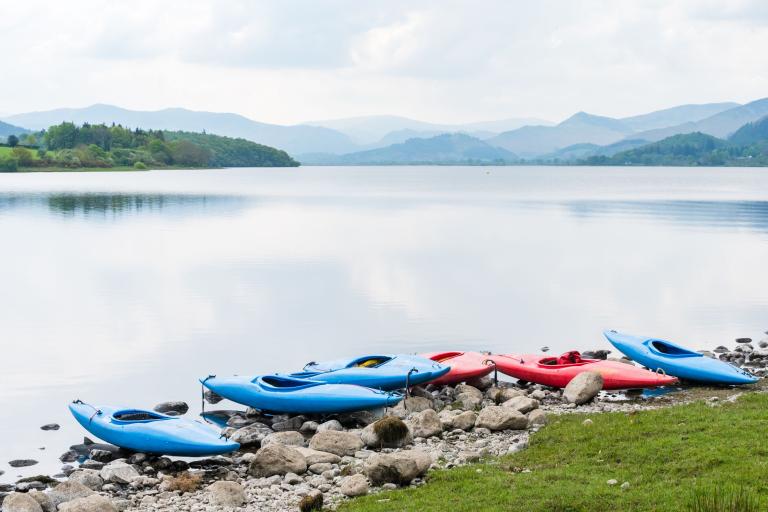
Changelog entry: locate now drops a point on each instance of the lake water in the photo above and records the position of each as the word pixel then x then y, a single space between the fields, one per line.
pixel 125 288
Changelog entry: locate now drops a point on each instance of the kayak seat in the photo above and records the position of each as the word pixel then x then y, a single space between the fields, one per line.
pixel 137 415
pixel 369 362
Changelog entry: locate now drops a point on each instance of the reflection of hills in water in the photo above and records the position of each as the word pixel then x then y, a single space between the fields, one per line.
pixel 114 205
pixel 740 214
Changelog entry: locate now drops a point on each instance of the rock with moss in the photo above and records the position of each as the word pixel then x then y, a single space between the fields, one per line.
pixel 312 501
pixel 388 432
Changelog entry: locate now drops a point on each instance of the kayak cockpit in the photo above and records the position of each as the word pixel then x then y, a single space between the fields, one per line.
pixel 137 416
pixel 446 356
pixel 566 360
pixel 667 349
pixel 283 383
pixel 369 362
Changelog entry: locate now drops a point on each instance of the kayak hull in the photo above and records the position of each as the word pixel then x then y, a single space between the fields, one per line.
pixel 465 366
pixel 615 375
pixel 158 434
pixel 679 361
pixel 301 396
pixel 390 374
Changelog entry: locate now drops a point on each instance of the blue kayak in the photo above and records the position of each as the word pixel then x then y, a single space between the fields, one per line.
pixel 387 372
pixel 283 394
pixel 151 432
pixel 678 361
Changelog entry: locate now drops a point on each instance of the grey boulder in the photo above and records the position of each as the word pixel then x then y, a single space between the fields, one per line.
pixel 277 459
pixel 583 388
pixel 495 417
pixel 338 443
pixel 226 494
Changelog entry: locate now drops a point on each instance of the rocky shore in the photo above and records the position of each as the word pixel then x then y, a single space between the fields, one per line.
pixel 290 463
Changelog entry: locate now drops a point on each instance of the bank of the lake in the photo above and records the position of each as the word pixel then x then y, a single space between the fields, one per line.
pixel 669 458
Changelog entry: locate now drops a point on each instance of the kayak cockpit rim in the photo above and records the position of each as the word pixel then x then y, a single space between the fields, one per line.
pixel 669 349
pixel 128 416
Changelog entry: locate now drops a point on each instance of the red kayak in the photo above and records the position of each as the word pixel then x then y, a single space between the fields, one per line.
pixel 464 366
pixel 557 372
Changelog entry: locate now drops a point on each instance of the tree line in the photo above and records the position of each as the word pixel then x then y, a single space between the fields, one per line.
pixel 67 145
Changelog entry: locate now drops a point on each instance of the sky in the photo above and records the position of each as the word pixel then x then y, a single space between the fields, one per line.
pixel 444 61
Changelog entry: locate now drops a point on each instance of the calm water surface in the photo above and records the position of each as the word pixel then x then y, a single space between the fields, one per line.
pixel 124 288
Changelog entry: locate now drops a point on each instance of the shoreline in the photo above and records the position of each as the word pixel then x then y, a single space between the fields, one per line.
pixel 286 459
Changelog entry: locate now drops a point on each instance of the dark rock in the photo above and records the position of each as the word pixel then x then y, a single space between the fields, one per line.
pixel 69 456
pixel 179 465
pixel 138 458
pixel 720 350
pixel 211 462
pixel 162 463
pixel 544 348
pixel 358 419
pixel 88 445
pixel 596 354
pixel 38 478
pixel 172 408
pixel 101 456
pixel 743 340
pixel 291 423
pixel 211 397
pixel 92 464
pixel 6 487
pixel 22 463
pixel 50 426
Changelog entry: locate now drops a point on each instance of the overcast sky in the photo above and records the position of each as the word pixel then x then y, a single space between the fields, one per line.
pixel 290 61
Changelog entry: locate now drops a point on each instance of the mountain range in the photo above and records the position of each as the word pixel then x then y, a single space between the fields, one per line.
pixel 394 139
pixel 9 129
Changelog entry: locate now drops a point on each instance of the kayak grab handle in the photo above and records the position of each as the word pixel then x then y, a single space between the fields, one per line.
pixel 661 371
pixel 489 362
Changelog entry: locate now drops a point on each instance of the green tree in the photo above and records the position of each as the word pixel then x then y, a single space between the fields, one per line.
pixel 23 156
pixel 13 141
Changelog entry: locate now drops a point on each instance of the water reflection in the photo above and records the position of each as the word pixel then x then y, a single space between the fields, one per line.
pixel 706 214
pixel 112 206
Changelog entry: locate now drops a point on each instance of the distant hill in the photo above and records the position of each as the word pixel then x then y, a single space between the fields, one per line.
pixel 456 148
pixel 675 116
pixel 749 148
pixel 581 151
pixel 532 141
pixel 751 133
pixel 9 129
pixel 380 131
pixel 720 125
pixel 293 139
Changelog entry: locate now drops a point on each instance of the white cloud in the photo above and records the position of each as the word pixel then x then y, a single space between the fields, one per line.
pixel 441 61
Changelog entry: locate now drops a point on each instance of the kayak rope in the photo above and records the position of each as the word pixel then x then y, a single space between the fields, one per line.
pixel 202 397
pixel 408 381
pixel 95 413
pixel 661 371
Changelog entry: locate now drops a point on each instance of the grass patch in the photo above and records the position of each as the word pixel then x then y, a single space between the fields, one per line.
pixel 688 457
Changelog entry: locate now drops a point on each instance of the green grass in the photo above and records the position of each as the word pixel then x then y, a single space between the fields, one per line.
pixel 693 458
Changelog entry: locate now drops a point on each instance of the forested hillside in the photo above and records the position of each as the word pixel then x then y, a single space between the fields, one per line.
pixel 69 146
